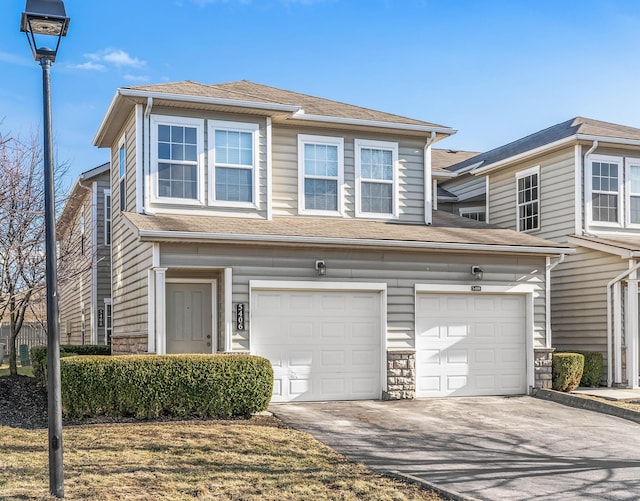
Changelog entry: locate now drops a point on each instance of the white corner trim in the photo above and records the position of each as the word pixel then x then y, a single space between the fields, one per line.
pixel 269 174
pixel 140 179
pixel 228 309
pixel 578 175
pixel 151 314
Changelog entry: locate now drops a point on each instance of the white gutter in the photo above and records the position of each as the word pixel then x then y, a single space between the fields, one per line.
pixel 301 115
pixel 292 239
pixel 587 203
pixel 428 191
pixel 146 161
pixel 549 268
pixel 609 318
pixel 269 181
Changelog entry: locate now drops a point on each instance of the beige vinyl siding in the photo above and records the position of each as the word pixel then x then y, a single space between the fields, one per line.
pixel 285 171
pixel 103 256
pixel 557 196
pixel 131 259
pixel 400 270
pixel 579 300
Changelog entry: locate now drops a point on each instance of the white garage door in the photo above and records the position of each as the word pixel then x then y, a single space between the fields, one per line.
pixel 470 344
pixel 323 345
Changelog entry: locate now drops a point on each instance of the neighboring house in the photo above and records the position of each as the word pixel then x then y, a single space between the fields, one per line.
pixel 577 183
pixel 457 192
pixel 84 270
pixel 248 218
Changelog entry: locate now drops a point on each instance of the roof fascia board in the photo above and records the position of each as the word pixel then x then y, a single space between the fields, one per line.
pixel 301 115
pixel 603 247
pixel 202 236
pixel 440 174
pixel 606 139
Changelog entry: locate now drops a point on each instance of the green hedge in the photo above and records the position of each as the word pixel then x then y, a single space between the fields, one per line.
pixel 39 356
pixel 567 371
pixel 593 368
pixel 149 386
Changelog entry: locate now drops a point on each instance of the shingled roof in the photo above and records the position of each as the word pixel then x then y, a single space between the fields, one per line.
pixel 447 232
pixel 578 126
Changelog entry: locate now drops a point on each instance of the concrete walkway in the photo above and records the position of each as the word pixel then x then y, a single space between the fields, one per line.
pixel 490 448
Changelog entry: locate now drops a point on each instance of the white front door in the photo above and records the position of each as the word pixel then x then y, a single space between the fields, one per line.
pixel 323 345
pixel 470 344
pixel 189 317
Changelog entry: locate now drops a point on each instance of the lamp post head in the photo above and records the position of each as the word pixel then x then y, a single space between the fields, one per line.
pixel 44 17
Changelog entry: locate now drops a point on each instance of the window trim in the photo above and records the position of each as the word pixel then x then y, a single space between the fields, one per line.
pixel 359 144
pixel 472 209
pixel 198 124
pixel 107 194
pixel 254 129
pixel 122 173
pixel 519 175
pixel 628 162
pixel 304 139
pixel 589 190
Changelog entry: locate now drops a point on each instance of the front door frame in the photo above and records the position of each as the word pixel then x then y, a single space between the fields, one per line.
pixel 214 309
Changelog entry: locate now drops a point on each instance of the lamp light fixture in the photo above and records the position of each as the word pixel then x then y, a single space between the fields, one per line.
pixel 477 272
pixel 44 17
pixel 321 268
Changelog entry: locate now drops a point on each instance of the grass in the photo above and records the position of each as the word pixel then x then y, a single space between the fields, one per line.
pixel 23 371
pixel 222 460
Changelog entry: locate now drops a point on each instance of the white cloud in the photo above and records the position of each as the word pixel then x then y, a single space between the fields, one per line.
pixel 89 65
pixel 116 57
pixel 136 78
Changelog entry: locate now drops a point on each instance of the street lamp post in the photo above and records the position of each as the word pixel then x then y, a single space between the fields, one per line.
pixel 48 17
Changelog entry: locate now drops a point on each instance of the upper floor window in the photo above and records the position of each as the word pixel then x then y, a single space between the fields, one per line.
pixel 107 217
pixel 376 178
pixel 177 152
pixel 528 199
pixel 605 181
pixel 122 161
pixel 232 163
pixel 633 183
pixel 475 213
pixel 321 174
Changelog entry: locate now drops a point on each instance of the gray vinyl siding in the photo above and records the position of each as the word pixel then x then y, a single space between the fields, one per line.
pixel 131 259
pixel 557 196
pixel 400 270
pixel 466 187
pixel 103 258
pixel 285 171
pixel 579 300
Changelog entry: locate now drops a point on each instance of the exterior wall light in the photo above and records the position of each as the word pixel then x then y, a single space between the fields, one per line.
pixel 321 268
pixel 477 272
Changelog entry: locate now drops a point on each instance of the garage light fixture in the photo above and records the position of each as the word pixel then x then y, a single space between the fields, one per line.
pixel 477 272
pixel 321 268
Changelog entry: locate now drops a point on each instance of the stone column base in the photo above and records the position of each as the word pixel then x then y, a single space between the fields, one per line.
pixel 542 360
pixel 401 375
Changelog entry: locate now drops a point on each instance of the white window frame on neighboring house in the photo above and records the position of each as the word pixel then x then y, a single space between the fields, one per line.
pixel 304 175
pixel 198 163
pixel 478 213
pixel 632 192
pixel 107 217
pixel 240 127
pixel 590 191
pixel 122 172
pixel 362 144
pixel 528 199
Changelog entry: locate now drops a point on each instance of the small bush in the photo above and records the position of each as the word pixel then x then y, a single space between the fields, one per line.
pixel 593 368
pixel 149 386
pixel 39 356
pixel 567 371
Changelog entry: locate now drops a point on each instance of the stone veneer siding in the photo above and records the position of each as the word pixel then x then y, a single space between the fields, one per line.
pixel 542 362
pixel 129 344
pixel 401 375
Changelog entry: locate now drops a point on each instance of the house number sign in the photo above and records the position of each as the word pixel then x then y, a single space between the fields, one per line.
pixel 100 317
pixel 240 316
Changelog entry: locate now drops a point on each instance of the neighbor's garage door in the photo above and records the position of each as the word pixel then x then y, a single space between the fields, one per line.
pixel 323 345
pixel 470 344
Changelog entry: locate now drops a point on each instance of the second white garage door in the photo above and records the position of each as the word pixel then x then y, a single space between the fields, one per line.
pixel 470 344
pixel 323 345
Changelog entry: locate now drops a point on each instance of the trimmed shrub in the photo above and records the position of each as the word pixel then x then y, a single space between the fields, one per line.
pixel 150 386
pixel 593 368
pixel 39 356
pixel 566 371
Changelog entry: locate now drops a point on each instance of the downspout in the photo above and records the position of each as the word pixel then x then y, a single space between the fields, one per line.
pixel 269 169
pixel 609 318
pixel 428 190
pixel 146 162
pixel 587 217
pixel 550 267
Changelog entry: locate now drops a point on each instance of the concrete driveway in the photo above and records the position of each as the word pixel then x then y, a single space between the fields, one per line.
pixel 491 448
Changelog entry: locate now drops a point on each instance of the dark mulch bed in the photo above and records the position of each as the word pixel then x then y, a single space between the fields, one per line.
pixel 23 404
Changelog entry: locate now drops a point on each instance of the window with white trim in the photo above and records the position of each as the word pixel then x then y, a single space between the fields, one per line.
pixel 632 173
pixel 376 178
pixel 475 213
pixel 177 166
pixel 107 217
pixel 528 199
pixel 321 174
pixel 606 185
pixel 232 163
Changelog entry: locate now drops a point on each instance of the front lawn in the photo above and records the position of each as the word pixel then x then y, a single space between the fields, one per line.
pixel 222 460
pixel 23 371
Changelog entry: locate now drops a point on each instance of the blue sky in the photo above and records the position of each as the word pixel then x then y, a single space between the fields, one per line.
pixel 494 70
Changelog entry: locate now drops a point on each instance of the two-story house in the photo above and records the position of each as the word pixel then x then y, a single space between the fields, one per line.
pixel 248 218
pixel 84 265
pixel 577 183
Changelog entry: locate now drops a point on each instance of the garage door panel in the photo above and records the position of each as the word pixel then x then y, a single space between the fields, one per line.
pixel 479 349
